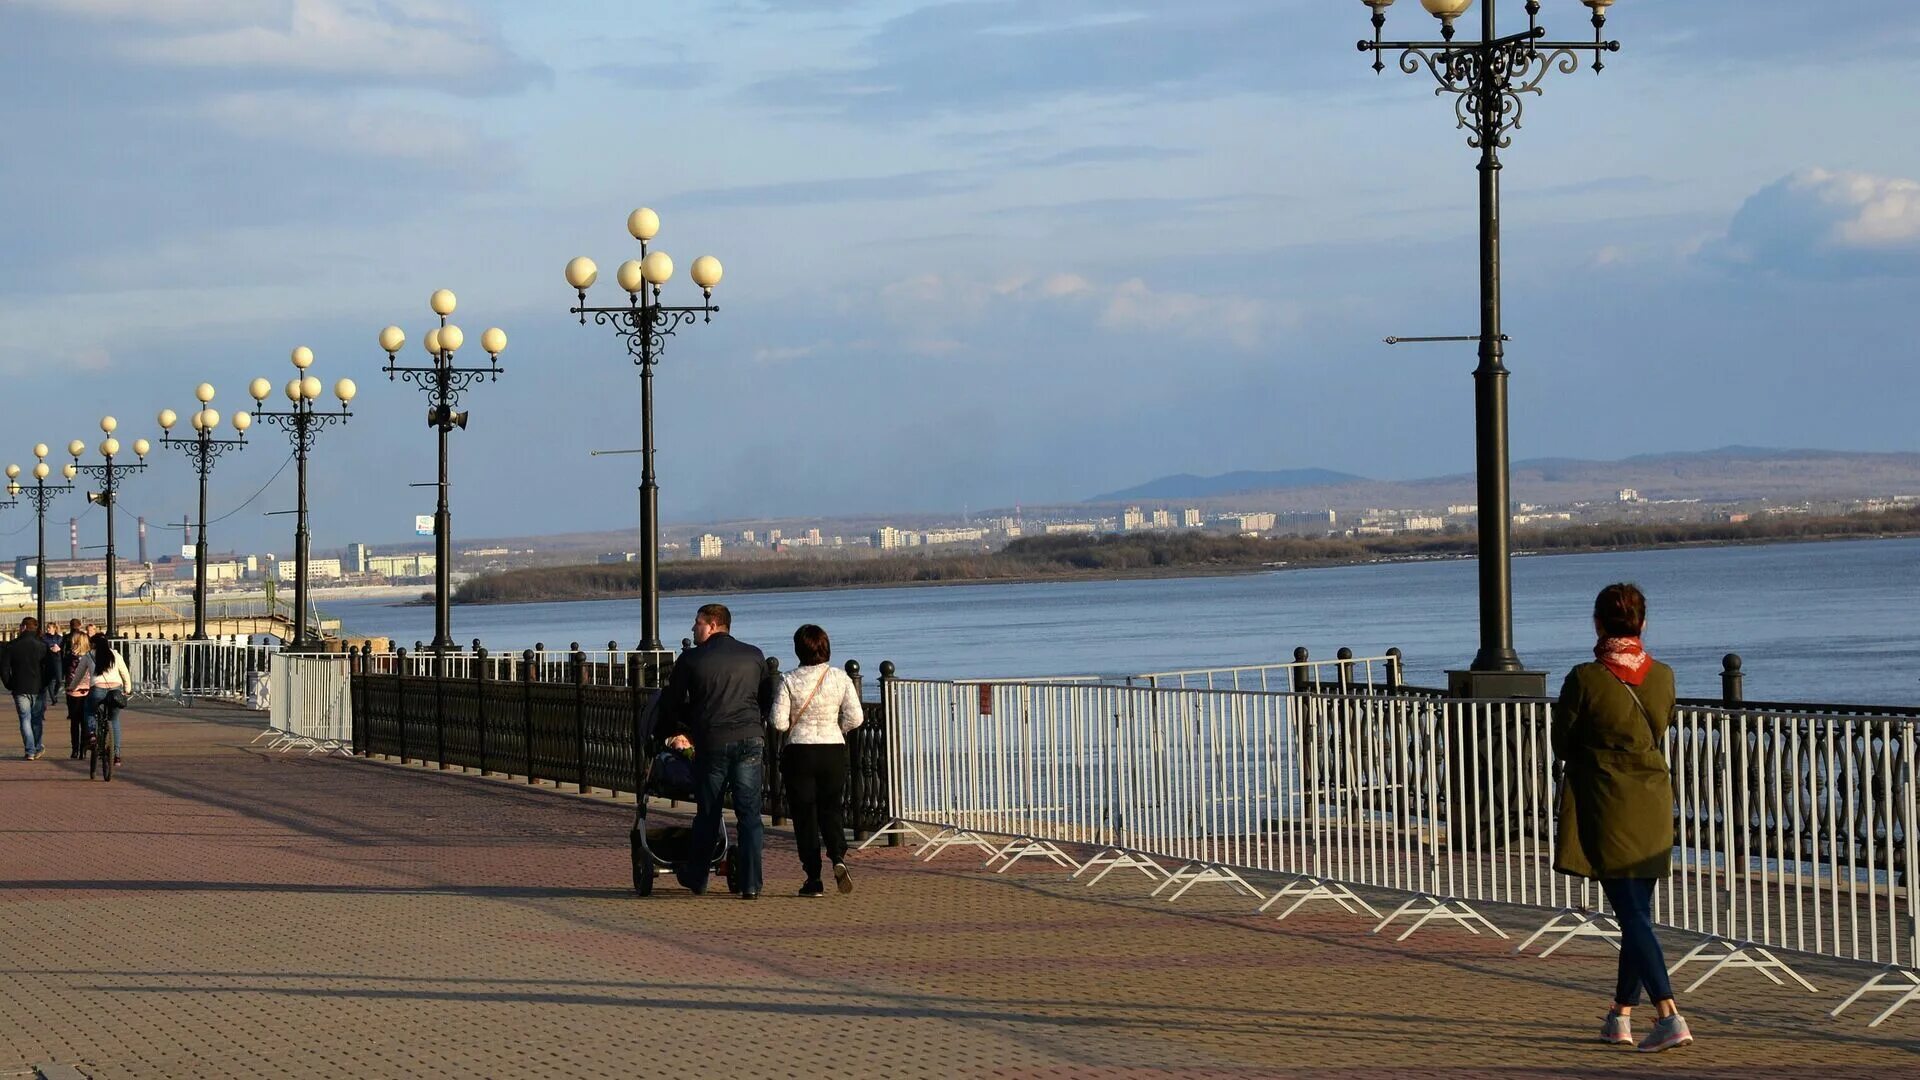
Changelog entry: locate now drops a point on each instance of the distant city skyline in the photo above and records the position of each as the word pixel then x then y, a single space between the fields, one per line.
pixel 977 254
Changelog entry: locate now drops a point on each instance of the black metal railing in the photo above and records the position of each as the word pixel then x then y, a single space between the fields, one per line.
pixel 578 729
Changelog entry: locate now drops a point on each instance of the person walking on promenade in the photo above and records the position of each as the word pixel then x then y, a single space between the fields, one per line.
pixel 1616 801
pixel 105 674
pixel 77 644
pixel 27 669
pixel 715 701
pixel 817 704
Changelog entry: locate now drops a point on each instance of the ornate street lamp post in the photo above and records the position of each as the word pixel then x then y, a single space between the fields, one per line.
pixel 301 420
pixel 42 494
pixel 108 472
pixel 645 324
pixel 203 449
pixel 443 383
pixel 1489 80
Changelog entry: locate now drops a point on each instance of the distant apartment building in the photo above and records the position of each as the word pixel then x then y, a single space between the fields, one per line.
pixel 749 536
pixel 394 567
pixel 1163 519
pixel 887 538
pixel 1463 510
pixel 710 546
pixel 955 536
pixel 1627 495
pixel 356 558
pixel 1256 522
pixel 1191 518
pixel 317 569
pixel 1131 518
pixel 1423 523
pixel 487 553
pixel 616 558
pixel 773 536
pixel 1060 528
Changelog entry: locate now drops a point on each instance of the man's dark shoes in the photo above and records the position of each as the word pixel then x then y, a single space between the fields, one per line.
pixel 813 888
pixel 749 895
pixel 680 875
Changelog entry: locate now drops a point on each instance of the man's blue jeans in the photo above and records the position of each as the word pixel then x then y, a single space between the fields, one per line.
pixel 741 765
pixel 33 719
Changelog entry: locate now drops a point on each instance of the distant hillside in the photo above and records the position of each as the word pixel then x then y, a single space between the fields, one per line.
pixel 1189 486
pixel 1729 474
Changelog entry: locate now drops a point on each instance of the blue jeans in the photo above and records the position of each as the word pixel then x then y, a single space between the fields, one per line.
pixel 97 709
pixel 33 719
pixel 1641 962
pixel 743 766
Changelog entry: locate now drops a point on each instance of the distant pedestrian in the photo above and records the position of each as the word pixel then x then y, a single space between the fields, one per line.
pixel 105 674
pixel 77 643
pixel 817 704
pixel 1616 801
pixel 27 669
pixel 715 701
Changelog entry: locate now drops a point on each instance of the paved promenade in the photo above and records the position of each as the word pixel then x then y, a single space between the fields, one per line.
pixel 221 911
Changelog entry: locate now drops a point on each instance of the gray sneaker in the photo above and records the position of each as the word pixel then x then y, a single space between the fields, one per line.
pixel 842 879
pixel 1618 1030
pixel 1669 1032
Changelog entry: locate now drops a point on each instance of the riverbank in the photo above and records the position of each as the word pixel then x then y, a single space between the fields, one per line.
pixel 1055 559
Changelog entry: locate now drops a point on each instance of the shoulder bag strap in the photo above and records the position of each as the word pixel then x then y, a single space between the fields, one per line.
pixel 1632 693
pixel 825 670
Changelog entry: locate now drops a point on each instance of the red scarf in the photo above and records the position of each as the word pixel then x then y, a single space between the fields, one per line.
pixel 1625 657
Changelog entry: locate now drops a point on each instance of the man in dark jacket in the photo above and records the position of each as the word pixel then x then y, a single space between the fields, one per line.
pixel 715 700
pixel 27 669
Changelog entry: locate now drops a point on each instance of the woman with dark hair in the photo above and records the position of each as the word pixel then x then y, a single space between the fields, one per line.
pixel 105 675
pixel 1616 801
pixel 817 704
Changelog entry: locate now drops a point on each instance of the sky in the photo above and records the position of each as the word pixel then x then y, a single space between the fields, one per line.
pixel 977 253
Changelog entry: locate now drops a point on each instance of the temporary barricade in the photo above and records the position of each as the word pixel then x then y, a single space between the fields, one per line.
pixel 312 703
pixel 225 670
pixel 1795 830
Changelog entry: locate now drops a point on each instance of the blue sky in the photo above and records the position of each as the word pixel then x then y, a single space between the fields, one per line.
pixel 977 253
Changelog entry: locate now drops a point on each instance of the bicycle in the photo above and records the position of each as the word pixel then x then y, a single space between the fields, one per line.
pixel 100 746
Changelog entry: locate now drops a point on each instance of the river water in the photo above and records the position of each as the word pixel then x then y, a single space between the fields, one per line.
pixel 1830 621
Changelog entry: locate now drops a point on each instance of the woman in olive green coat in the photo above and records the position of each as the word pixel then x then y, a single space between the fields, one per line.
pixel 1616 800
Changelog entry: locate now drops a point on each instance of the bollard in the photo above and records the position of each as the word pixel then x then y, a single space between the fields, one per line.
pixel 850 816
pixel 579 661
pixel 1343 669
pixel 773 792
pixel 1302 677
pixel 1396 678
pixel 526 698
pixel 1733 682
pixel 400 699
pixel 887 671
pixel 480 675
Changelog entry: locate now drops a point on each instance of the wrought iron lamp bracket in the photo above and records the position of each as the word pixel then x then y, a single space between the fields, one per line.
pixel 645 327
pixel 1488 79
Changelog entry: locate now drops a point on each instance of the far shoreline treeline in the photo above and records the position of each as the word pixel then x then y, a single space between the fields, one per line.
pixel 1158 554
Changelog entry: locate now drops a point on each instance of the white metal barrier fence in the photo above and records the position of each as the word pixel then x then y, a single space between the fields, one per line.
pixel 312 703
pixel 226 670
pixel 1347 673
pixel 1796 832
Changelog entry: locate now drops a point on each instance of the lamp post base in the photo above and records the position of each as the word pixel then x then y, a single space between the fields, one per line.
pixel 1497 685
pixel 655 666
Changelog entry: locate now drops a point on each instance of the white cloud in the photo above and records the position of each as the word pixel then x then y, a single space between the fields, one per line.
pixel 400 40
pixel 1133 305
pixel 346 129
pixel 1827 224
pixel 929 302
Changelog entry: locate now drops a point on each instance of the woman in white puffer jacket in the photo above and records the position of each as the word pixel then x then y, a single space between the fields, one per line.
pixel 816 705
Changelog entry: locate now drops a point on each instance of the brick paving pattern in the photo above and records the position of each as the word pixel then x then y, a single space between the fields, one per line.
pixel 218 910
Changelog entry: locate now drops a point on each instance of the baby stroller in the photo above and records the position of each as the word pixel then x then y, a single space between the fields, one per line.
pixel 666 774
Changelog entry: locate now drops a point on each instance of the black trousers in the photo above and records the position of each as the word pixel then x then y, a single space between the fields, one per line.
pixel 816 778
pixel 77 722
